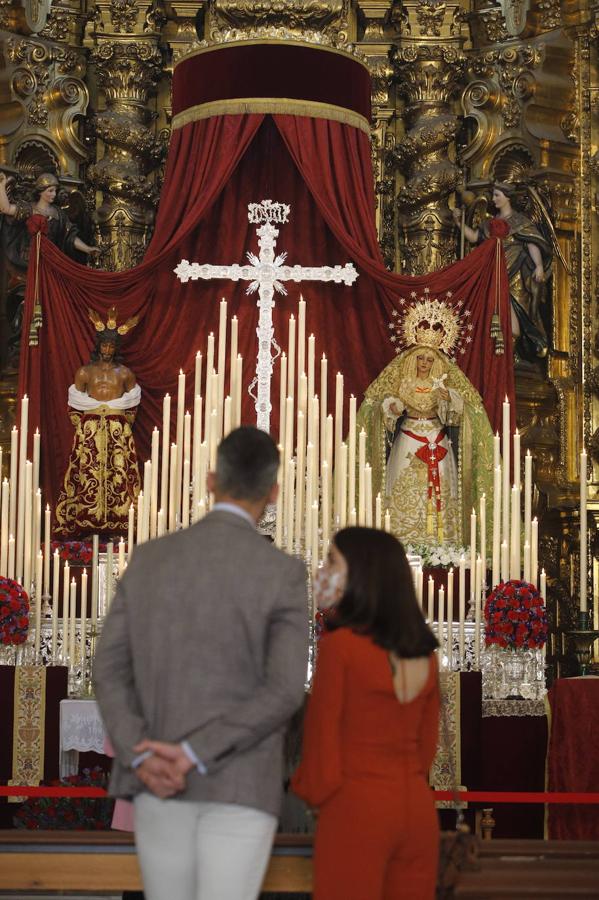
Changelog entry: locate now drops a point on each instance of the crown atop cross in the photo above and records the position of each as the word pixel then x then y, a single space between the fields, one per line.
pixel 267 212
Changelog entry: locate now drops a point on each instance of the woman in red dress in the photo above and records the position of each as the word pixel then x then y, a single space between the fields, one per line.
pixel 371 729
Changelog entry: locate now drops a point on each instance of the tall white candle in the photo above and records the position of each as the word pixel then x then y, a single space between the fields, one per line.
pixel 361 471
pixel 96 579
pixel 378 511
pixel 179 438
pixel 11 556
pixel 21 488
pixel 172 507
pixel 84 614
pixel 368 494
pixel 208 398
pixel 527 495
pixel 239 382
pixel 505 447
pixel 4 519
pixel 72 621
pixel 388 521
pixel 441 623
pixel 121 557
pixel 233 359
pixel 477 612
pixel 35 479
pixel 197 381
pixel 351 438
pixel 109 575
pixel 291 358
pixel 326 508
pixel 505 561
pixel 130 531
pixel 185 494
pixel 222 346
pixel 430 601
pixel 482 527
pixel 342 464
pixel 39 564
pixel 166 426
pixel 27 525
pixel 472 549
pixel 279 508
pixel 311 368
pixel 338 413
pixel 496 526
pixel 290 505
pixel 197 446
pixel 47 538
pixel 154 499
pixel 323 395
pixel 450 579
pixel 584 549
pixel 14 477
pixel 515 534
pixel 282 400
pixel 496 450
pixel 300 476
pixel 160 526
pixel 462 608
pixel 66 578
pixel 55 603
pixel 517 458
pixel 526 561
pixel 543 588
pixel 534 552
pixel 301 340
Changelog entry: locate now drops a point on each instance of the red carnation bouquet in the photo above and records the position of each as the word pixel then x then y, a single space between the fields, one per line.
pixel 14 612
pixel 515 616
pixel 499 228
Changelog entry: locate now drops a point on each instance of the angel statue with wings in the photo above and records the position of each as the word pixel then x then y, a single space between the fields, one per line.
pixel 529 245
pixel 429 439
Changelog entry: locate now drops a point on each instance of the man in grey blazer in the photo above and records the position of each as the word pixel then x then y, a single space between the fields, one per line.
pixel 201 663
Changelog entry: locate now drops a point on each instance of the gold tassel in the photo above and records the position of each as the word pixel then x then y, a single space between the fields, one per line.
pixel 429 516
pixel 36 319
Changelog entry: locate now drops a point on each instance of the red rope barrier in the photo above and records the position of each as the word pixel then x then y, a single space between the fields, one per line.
pixel 470 796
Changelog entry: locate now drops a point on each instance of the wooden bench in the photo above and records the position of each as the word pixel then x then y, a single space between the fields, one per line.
pixel 488 870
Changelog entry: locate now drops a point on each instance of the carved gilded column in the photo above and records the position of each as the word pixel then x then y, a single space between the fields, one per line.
pixel 128 65
pixel 429 66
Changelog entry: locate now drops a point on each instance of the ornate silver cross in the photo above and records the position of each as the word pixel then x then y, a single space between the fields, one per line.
pixel 266 274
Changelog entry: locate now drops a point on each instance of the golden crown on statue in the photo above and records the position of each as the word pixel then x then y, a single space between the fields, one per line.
pixel 431 322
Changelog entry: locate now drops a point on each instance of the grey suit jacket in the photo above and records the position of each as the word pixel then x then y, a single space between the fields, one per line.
pixel 206 640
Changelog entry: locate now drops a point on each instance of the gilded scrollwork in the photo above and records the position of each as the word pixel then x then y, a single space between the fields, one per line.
pixel 430 15
pixel 327 18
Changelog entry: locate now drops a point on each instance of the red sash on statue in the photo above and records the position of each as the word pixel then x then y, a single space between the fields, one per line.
pixel 431 453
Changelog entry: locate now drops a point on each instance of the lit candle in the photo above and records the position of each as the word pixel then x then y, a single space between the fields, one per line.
pixel 179 440
pixel 209 400
pixel 172 509
pixel 472 549
pixel 378 511
pixel 326 509
pixel 506 471
pixel 368 493
pixel 462 608
pixel 154 459
pixel 352 452
pixel 47 536
pixel 233 386
pixel 121 563
pixel 21 489
pixel 534 552
pixel 584 550
pixel 197 381
pixel 314 540
pixel 505 561
pixel 477 611
pixel 72 622
pixel 27 525
pixel 291 358
pixel 160 523
pixel 301 341
pixel 527 495
pixel 361 471
pixel 526 561
pixel 282 401
pixel 140 518
pixel 65 610
pixel 130 531
pixel 496 525
pixel 185 497
pixel 483 533
pixel 289 502
pixel 323 395
pixel 96 577
pixel 338 413
pixel 197 447
pixel 227 416
pixel 239 381
pixel 496 450
pixel 311 368
pixel 353 516
pixel 441 623
pixel 11 557
pixel 279 509
pixel 14 464
pixel 517 458
pixel 166 425
pixel 39 563
pixel 84 615
pixel 450 577
pixel 222 345
pixel 544 585
pixel 300 474
pixel 388 521
pixel 109 575
pixel 430 600
pixel 515 534
pixel 35 481
pixel 55 603
pixel 342 464
pixel 4 518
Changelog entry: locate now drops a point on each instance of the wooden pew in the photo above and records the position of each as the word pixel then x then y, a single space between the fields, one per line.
pixel 478 870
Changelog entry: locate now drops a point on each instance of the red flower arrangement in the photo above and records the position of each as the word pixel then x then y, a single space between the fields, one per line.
pixel 14 612
pixel 499 228
pixel 73 551
pixel 515 616
pixel 69 813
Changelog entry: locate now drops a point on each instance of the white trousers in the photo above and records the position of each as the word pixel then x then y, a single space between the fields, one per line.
pixel 201 851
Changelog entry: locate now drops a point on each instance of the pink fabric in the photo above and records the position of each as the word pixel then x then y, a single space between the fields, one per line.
pixel 122 817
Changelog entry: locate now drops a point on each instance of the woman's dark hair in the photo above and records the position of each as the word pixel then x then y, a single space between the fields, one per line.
pixel 379 598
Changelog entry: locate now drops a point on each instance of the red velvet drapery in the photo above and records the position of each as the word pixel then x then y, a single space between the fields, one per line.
pixel 216 166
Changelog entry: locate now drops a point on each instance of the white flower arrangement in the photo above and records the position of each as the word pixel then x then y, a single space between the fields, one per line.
pixel 444 555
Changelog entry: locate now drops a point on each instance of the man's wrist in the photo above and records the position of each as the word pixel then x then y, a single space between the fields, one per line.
pixel 137 760
pixel 193 757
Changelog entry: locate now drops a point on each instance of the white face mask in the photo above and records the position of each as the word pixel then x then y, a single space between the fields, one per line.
pixel 327 587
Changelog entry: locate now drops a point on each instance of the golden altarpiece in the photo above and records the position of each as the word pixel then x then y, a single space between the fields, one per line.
pixel 464 95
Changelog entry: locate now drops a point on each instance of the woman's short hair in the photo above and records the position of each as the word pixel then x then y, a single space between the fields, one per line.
pixel 379 597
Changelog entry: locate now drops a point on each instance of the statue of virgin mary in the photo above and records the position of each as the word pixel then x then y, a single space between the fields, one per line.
pixel 429 440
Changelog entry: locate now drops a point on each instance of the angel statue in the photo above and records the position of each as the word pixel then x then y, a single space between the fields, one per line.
pixel 429 439
pixel 529 247
pixel 102 477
